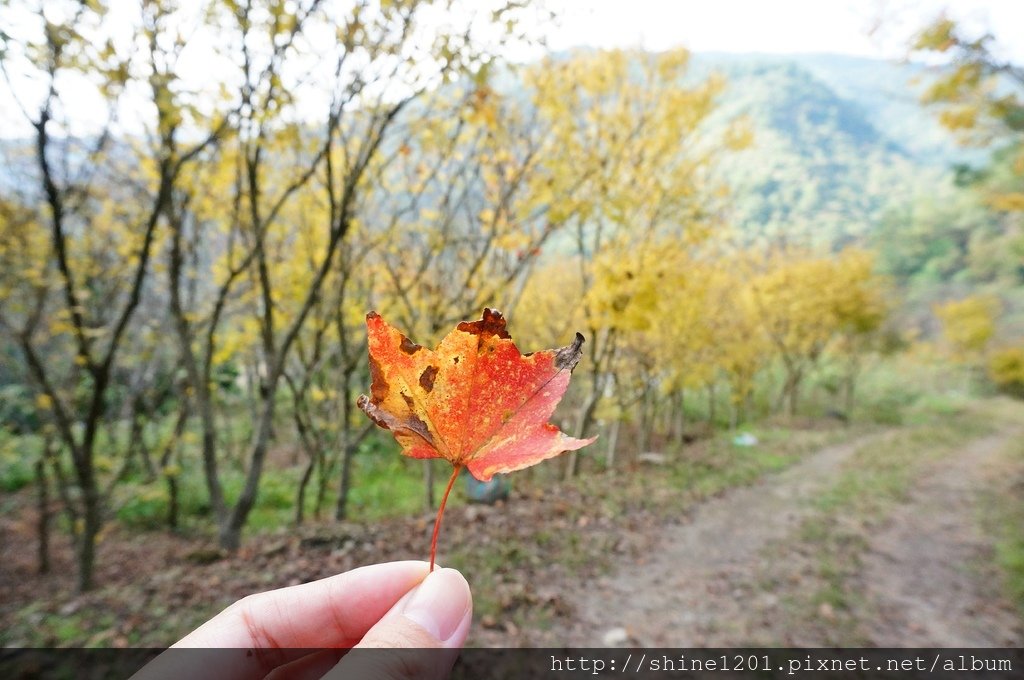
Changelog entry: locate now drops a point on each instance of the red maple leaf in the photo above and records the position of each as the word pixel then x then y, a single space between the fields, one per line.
pixel 475 401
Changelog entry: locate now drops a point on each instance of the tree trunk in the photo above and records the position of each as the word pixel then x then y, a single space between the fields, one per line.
pixel 582 424
pixel 173 505
pixel 166 457
pixel 228 537
pixel 137 439
pixel 323 473
pixel 849 394
pixel 711 405
pixel 87 542
pixel 43 501
pixel 794 394
pixel 666 416
pixel 428 482
pixel 341 509
pixel 613 441
pixel 570 465
pixel 679 418
pixel 230 532
pixel 210 472
pixel 646 422
pixel 300 499
pixel 348 454
pixel 63 491
pixel 349 444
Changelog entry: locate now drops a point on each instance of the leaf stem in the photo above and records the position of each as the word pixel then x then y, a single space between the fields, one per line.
pixel 440 512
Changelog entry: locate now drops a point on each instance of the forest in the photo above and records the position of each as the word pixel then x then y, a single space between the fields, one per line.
pixel 766 255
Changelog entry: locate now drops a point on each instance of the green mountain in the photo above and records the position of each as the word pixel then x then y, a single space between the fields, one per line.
pixel 886 93
pixel 838 142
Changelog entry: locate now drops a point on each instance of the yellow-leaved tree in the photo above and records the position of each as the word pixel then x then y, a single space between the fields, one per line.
pixel 805 302
pixel 860 308
pixel 968 326
pixel 95 202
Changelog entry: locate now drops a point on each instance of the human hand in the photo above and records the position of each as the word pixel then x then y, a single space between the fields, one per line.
pixel 305 631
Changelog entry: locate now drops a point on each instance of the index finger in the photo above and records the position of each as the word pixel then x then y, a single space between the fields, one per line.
pixel 332 612
pixel 279 626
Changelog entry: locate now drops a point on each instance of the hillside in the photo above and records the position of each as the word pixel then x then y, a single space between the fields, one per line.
pixel 837 141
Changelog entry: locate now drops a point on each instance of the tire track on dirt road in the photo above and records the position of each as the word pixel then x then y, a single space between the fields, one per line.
pixel 925 578
pixel 929 573
pixel 682 590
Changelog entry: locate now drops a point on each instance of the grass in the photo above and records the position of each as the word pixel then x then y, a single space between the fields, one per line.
pixel 1010 557
pixel 384 485
pixel 74 628
pixel 1004 517
pixel 18 455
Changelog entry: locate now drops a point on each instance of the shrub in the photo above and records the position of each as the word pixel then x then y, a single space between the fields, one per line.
pixel 146 508
pixel 1006 370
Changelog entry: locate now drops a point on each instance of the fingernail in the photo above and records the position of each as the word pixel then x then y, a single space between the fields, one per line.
pixel 440 603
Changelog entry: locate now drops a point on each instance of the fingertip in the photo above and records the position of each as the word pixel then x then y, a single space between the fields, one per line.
pixel 443 606
pixel 437 613
pixel 423 633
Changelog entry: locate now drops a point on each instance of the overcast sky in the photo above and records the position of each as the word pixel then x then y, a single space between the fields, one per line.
pixel 872 28
pixel 876 28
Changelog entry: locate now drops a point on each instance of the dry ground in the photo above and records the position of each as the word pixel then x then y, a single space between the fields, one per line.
pixel 856 538
pixel 747 571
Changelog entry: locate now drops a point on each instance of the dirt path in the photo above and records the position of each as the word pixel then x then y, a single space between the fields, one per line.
pixel 709 582
pixel 682 593
pixel 929 573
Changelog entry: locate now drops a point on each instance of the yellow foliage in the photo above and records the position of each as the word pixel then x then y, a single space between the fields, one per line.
pixel 628 284
pixel 1008 202
pixel 939 36
pixel 805 300
pixel 792 298
pixel 960 117
pixel 549 310
pixel 857 294
pixel 1006 369
pixel 968 324
pixel 24 252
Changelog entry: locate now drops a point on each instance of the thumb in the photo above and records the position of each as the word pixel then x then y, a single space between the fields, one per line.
pixel 419 637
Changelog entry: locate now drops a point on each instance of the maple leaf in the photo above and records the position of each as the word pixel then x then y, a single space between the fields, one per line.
pixel 475 401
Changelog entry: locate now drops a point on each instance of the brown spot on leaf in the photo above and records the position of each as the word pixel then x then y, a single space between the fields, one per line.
pixel 378 384
pixel 419 427
pixel 408 346
pixel 427 378
pixel 492 323
pixel 408 400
